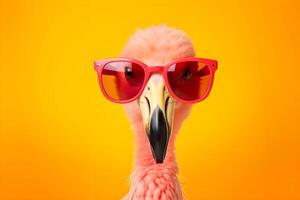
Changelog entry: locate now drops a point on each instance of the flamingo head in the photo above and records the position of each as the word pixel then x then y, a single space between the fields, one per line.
pixel 156 112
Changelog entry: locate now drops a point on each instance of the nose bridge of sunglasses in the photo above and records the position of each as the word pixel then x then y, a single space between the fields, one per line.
pixel 156 69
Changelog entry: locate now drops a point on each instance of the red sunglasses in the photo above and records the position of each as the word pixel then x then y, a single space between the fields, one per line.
pixel 189 80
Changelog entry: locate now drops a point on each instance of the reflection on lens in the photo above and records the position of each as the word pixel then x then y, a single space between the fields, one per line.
pixel 122 80
pixel 189 80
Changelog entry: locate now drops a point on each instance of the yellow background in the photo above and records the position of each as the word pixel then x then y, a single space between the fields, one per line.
pixel 60 139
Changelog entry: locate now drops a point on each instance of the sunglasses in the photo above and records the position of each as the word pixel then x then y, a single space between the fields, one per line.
pixel 188 80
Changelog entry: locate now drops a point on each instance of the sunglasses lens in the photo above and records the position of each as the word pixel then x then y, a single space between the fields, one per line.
pixel 122 80
pixel 189 80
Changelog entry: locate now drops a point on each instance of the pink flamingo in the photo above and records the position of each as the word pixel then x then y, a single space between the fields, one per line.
pixel 156 102
pixel 156 46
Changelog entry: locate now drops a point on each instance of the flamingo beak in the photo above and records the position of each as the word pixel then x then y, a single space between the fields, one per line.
pixel 157 108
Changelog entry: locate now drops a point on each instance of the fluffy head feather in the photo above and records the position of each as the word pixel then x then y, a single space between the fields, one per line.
pixel 158 45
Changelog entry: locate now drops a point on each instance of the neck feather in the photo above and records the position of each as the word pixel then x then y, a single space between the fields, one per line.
pixel 151 180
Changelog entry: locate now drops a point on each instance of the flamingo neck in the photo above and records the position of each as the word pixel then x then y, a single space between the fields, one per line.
pixel 151 180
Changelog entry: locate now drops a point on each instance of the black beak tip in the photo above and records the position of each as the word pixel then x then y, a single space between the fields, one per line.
pixel 159 160
pixel 158 135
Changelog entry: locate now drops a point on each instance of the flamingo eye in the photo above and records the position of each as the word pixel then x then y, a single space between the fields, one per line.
pixel 187 74
pixel 129 73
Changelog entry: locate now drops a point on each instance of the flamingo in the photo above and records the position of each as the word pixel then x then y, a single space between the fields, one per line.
pixel 155 115
pixel 156 46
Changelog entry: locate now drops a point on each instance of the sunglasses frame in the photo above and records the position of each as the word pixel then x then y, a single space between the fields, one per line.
pixel 149 70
